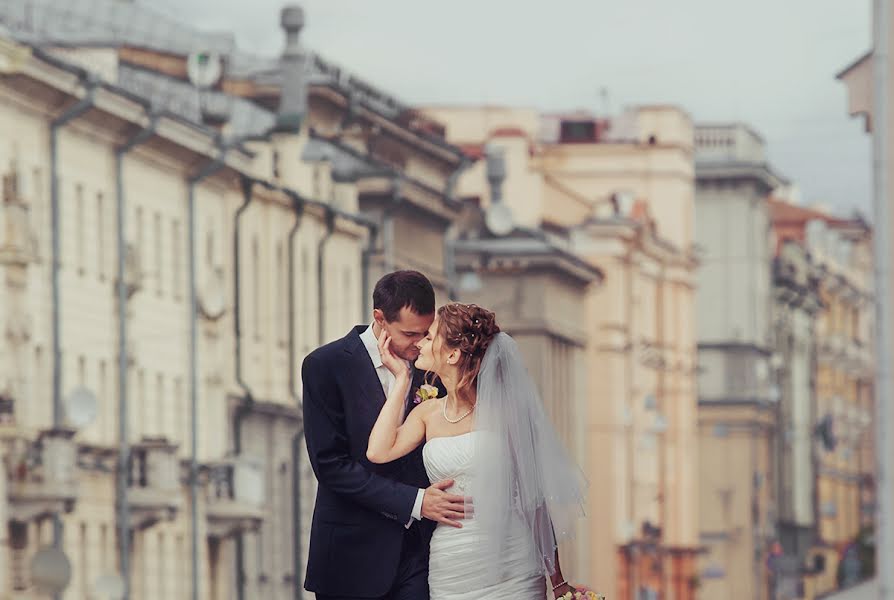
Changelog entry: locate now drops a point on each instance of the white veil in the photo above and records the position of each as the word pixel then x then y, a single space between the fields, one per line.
pixel 520 463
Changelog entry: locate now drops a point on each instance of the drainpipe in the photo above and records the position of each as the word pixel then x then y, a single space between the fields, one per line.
pixel 298 207
pixel 365 259
pixel 211 167
pixel 452 231
pixel 321 295
pixel 388 224
pixel 73 112
pixel 123 441
pixel 247 397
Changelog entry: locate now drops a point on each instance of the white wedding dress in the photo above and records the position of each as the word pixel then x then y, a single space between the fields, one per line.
pixel 457 571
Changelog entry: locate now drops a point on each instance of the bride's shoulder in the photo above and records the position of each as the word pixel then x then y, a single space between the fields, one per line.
pixel 429 407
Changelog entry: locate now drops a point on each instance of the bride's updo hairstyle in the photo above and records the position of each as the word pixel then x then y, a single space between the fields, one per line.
pixel 470 329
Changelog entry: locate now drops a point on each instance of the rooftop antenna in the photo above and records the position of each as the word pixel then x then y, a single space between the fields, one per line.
pixel 603 95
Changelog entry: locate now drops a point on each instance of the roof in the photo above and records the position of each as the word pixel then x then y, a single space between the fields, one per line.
pixel 244 118
pixel 531 243
pixel 117 23
pixel 787 213
pixel 790 221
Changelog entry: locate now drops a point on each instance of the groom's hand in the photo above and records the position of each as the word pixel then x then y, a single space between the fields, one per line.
pixel 438 505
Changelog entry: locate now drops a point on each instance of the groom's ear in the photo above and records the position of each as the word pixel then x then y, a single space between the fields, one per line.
pixel 379 316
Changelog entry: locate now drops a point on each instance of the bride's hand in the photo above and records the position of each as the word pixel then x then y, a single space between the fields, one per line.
pixel 563 589
pixel 392 362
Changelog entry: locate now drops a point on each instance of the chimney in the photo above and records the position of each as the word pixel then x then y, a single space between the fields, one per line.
pixel 293 97
pixel 496 172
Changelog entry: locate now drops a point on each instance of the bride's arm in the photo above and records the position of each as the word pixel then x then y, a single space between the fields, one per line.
pixel 557 581
pixel 389 439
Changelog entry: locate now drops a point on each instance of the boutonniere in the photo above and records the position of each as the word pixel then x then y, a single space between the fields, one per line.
pixel 425 392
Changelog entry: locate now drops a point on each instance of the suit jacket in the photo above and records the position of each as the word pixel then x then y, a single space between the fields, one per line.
pixel 361 508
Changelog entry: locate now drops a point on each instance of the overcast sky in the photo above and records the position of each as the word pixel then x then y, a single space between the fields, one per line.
pixel 770 63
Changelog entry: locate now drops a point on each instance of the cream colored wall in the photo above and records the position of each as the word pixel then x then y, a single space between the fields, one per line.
pixel 733 446
pixel 158 327
pixel 566 184
pixel 472 124
pixel 662 176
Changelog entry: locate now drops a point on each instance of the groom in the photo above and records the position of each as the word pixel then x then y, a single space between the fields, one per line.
pixel 372 523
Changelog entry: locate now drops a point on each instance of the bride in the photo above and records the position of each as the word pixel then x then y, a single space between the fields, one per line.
pixel 489 434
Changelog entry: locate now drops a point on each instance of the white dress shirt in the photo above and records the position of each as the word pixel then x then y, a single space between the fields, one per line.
pixel 386 378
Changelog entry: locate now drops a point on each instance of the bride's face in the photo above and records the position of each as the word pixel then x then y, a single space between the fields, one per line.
pixel 430 347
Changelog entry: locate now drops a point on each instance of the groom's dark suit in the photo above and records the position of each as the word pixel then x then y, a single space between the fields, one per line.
pixel 359 544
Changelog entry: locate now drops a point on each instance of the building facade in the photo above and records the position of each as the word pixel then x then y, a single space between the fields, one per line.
pixel 737 393
pixel 249 192
pixel 619 195
pixel 796 304
pixel 842 411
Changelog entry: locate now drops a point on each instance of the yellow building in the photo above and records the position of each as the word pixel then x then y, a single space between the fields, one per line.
pixel 843 410
pixel 618 194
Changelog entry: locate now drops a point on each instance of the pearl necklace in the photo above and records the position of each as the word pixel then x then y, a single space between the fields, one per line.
pixel 449 420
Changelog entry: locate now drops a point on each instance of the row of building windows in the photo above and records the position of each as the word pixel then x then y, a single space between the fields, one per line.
pixel 151 241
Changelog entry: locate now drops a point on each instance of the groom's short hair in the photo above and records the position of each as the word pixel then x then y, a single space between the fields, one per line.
pixel 401 289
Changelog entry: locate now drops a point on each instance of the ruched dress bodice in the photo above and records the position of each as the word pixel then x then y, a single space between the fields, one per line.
pixel 457 569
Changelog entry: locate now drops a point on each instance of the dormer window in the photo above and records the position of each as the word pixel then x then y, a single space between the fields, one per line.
pixel 578 132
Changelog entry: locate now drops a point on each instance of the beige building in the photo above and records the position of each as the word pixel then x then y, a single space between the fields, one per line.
pixel 843 409
pixel 267 188
pixel 737 393
pixel 617 194
pixel 47 470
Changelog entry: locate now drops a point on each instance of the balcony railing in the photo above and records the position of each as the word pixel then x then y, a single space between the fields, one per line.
pixel 42 475
pixel 235 495
pixel 154 490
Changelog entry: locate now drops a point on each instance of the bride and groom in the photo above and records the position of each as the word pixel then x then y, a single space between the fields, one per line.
pixel 503 491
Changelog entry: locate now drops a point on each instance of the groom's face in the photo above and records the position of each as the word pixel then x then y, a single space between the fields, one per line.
pixel 405 332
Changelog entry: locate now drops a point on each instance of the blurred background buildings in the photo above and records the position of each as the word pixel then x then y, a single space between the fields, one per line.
pixel 183 221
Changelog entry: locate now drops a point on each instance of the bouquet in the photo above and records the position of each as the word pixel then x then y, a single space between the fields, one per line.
pixel 582 593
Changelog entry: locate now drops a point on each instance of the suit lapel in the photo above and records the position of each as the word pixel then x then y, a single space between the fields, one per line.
pixel 361 370
pixel 363 375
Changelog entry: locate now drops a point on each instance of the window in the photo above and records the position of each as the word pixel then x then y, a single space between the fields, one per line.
pixel 576 132
pixel 180 574
pixel 138 234
pixel 38 208
pixel 162 581
pixel 103 408
pixel 177 258
pixel 209 245
pixel 179 409
pixel 347 290
pixel 156 232
pixel 100 238
pixel 84 571
pixel 104 547
pixel 38 383
pixel 281 279
pixel 82 371
pixel 256 286
pixel 161 412
pixel 80 240
pixel 304 315
pixel 139 429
